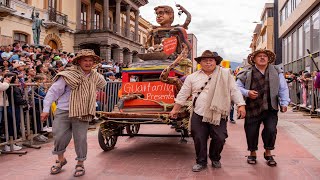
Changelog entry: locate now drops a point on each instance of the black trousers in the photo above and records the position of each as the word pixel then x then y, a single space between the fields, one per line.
pixel 201 131
pixel 269 133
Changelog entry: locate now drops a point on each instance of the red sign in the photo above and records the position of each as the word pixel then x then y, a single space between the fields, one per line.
pixel 170 45
pixel 154 91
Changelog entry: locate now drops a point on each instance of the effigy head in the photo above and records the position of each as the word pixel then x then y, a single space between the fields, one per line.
pixel 165 15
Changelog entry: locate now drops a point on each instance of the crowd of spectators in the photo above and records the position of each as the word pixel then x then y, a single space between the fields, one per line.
pixel 303 81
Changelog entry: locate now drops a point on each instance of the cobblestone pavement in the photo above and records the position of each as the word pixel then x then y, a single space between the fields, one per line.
pixel 158 158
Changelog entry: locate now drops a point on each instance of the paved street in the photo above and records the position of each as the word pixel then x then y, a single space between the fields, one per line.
pixel 145 158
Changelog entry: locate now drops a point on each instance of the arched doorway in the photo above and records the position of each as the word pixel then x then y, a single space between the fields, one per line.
pixel 53 41
pixel 53 44
pixel 94 47
pixel 135 58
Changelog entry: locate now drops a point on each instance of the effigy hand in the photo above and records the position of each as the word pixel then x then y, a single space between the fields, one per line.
pixel 181 8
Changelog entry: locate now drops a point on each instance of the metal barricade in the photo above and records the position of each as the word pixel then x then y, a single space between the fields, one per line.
pixel 21 116
pixel 305 96
pixel 108 97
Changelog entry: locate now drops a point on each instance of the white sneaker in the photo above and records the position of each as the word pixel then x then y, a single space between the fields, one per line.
pixel 6 148
pixel 48 129
pixel 15 148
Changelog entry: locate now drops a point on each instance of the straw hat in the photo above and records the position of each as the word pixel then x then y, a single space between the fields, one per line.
pixel 270 54
pixel 209 54
pixel 86 53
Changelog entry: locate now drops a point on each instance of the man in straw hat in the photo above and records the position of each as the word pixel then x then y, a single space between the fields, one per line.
pixel 75 92
pixel 264 87
pixel 212 89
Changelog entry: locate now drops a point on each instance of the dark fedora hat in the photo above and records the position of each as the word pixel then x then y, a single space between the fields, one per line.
pixel 209 54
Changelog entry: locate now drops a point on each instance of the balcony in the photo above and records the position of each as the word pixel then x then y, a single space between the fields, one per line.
pixel 112 30
pixel 57 19
pixel 6 8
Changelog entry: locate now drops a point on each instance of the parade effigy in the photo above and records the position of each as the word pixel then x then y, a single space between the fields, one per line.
pixel 159 73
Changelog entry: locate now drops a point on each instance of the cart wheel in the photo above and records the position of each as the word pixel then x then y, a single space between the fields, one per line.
pixel 107 143
pixel 132 129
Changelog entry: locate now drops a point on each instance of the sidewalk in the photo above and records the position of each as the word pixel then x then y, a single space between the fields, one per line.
pixel 145 158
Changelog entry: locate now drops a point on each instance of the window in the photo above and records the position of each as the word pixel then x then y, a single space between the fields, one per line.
pixel 285 50
pixel 20 38
pixel 52 4
pixel 294 46
pixel 286 13
pixel 300 42
pixel 289 7
pixel 281 17
pixel 84 14
pixel 315 32
pixel 306 28
pixel 97 20
pixel 289 49
pixel 270 12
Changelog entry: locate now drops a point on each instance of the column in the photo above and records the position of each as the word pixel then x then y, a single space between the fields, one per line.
pixel 106 24
pixel 108 55
pixel 118 16
pixel 105 51
pixel 136 26
pixel 92 13
pixel 120 53
pixel 78 12
pixel 128 21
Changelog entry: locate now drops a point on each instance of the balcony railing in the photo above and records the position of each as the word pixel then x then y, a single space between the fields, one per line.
pixel 58 17
pixel 5 3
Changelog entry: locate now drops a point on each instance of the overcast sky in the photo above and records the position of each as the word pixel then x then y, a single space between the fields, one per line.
pixel 225 26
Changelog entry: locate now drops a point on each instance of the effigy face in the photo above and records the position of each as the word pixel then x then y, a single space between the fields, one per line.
pixel 164 15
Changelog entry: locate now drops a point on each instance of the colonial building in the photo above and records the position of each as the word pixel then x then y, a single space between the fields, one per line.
pixel 113 28
pixel 263 33
pixel 299 30
pixel 16 22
